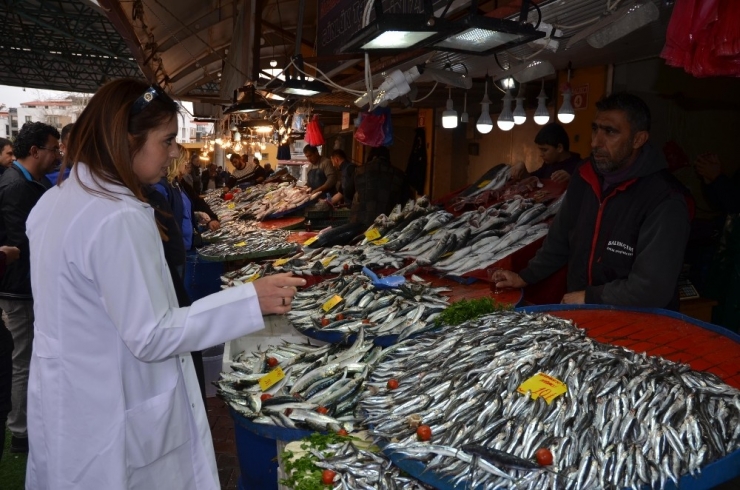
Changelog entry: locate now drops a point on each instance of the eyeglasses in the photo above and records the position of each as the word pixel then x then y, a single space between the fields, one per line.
pixel 56 149
pixel 151 93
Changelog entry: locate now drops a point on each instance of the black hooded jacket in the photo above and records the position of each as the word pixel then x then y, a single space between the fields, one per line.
pixel 623 245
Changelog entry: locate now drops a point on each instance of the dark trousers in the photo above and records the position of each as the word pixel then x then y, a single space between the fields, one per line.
pixel 6 379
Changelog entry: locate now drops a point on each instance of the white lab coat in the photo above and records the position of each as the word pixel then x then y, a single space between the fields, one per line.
pixel 113 400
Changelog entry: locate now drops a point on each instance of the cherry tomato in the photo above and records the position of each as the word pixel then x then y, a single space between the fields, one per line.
pixel 228 196
pixel 322 410
pixel 327 477
pixel 392 384
pixel 424 433
pixel 340 316
pixel 543 456
pixel 365 321
pixel 265 396
pixel 324 322
pixel 272 362
pixel 342 432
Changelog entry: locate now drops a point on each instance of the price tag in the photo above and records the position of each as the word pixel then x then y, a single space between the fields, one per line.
pixel 381 241
pixel 280 262
pixel 253 277
pixel 271 378
pixel 542 385
pixel 334 301
pixel 240 244
pixel 231 205
pixel 372 234
pixel 433 231
pixel 311 240
pixel 446 255
pixel 325 262
pixel 483 184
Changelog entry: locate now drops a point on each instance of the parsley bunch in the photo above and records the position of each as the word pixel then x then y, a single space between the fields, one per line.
pixel 468 309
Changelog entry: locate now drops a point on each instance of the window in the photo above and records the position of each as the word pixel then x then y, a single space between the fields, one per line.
pixel 192 133
pixel 7 130
pixel 184 134
pixel 28 118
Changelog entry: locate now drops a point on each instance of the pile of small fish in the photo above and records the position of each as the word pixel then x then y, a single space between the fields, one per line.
pixel 401 215
pixel 253 242
pixel 231 230
pixel 320 389
pixel 404 311
pixel 285 198
pixel 627 420
pixel 248 273
pixel 360 468
pixel 332 260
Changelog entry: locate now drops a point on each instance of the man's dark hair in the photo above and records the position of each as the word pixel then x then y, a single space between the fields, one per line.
pixel 256 160
pixel 32 134
pixel 638 113
pixel 235 156
pixel 4 143
pixel 553 134
pixel 379 152
pixel 339 153
pixel 66 129
pixel 310 149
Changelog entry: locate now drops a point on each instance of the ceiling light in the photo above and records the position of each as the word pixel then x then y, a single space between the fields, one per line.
pixel 302 87
pixel 506 118
pixel 258 155
pixel 566 113
pixel 237 147
pixel 253 105
pixel 507 83
pixel 237 136
pixel 449 116
pixel 395 85
pixel 464 115
pixel 485 124
pixel 534 70
pixel 519 115
pixel 273 63
pixel 480 35
pixel 393 32
pixel 634 17
pixel 541 115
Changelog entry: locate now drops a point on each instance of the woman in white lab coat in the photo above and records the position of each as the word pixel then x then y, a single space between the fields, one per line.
pixel 113 401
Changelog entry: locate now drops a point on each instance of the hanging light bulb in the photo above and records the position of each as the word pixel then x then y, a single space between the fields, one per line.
pixel 233 125
pixel 258 155
pixel 566 113
pixel 237 147
pixel 506 118
pixel 485 124
pixel 237 136
pixel 273 63
pixel 449 116
pixel 542 115
pixel 519 115
pixel 219 141
pixel 464 115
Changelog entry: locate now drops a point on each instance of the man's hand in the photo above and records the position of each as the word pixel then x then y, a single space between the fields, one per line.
pixel 508 279
pixel 574 298
pixel 518 171
pixel 214 225
pixel 275 293
pixel 11 253
pixel 708 167
pixel 560 176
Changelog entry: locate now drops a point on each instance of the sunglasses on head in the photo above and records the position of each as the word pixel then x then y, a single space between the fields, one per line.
pixel 151 93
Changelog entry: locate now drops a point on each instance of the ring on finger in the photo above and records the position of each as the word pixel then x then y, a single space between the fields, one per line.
pixel 283 301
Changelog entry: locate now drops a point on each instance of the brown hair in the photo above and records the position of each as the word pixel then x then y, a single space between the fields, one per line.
pixel 106 136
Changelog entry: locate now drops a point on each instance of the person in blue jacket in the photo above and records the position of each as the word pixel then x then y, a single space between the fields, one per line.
pixel 53 176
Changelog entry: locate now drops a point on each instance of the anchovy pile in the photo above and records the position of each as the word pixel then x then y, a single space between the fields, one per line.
pixel 338 259
pixel 360 468
pixel 329 376
pixel 257 241
pixel 626 420
pixel 403 311
pixel 248 273
pixel 285 198
pixel 231 230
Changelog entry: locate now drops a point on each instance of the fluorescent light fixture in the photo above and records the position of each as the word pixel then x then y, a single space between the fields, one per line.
pixel 541 115
pixel 253 105
pixel 519 115
pixel 632 18
pixel 566 113
pixel 464 115
pixel 446 77
pixel 505 120
pixel 479 35
pixel 394 32
pixel 449 116
pixel 485 124
pixel 534 70
pixel 302 87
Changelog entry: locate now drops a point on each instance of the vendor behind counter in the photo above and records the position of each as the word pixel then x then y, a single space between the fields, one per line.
pixel 322 176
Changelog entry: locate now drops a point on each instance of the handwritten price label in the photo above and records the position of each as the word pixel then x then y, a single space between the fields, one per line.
pixel 380 241
pixel 483 184
pixel 334 301
pixel 280 262
pixel 310 241
pixel 372 234
pixel 542 385
pixel 231 205
pixel 271 378
pixel 325 262
pixel 240 244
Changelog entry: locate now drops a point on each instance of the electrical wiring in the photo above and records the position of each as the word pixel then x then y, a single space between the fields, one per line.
pixel 329 81
pixel 609 7
pixel 427 95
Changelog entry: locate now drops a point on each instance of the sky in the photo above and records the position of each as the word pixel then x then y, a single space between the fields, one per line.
pixel 14 96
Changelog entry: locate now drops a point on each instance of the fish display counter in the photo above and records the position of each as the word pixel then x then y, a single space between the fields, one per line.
pixel 604 397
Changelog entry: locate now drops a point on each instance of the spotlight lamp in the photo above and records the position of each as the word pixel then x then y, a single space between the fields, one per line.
pixel 449 116
pixel 505 120
pixel 485 124
pixel 541 115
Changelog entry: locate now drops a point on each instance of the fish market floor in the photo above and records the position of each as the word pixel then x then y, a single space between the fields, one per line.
pixel 222 431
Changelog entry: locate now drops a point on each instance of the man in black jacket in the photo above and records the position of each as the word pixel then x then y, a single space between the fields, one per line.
pixel 21 186
pixel 623 226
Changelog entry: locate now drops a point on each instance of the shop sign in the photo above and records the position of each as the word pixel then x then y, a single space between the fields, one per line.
pixel 421 119
pixel 345 120
pixel 580 97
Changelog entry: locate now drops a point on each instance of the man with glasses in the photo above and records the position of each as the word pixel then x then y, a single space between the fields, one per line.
pixel 21 186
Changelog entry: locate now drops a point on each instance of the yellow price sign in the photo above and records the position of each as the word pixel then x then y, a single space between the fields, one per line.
pixel 542 385
pixel 380 241
pixel 280 262
pixel 271 378
pixel 240 244
pixel 334 301
pixel 372 234
pixel 231 205
pixel 253 277
pixel 325 262
pixel 483 184
pixel 311 240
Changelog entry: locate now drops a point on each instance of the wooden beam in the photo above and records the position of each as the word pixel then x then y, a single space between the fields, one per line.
pixel 286 33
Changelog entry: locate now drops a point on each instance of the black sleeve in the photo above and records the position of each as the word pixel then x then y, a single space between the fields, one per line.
pixel 724 194
pixel 174 246
pixel 348 184
pixel 198 203
pixel 17 203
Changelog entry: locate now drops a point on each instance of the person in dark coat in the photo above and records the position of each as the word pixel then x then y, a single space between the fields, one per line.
pixel 7 256
pixel 211 179
pixel 346 182
pixel 379 186
pixel 558 162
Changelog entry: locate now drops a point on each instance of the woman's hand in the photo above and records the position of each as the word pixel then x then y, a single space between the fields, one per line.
pixel 275 293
